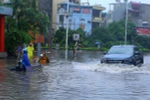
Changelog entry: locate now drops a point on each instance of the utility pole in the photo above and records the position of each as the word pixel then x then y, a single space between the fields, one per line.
pixel 67 15
pixel 126 22
pixel 38 46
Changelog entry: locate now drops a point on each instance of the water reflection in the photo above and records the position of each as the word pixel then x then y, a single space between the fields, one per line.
pixel 80 78
pixel 2 80
pixel 2 75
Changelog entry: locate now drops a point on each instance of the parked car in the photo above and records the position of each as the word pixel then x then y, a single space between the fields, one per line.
pixel 124 54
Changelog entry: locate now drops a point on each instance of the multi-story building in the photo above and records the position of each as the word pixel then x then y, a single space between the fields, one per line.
pixel 97 15
pixel 54 11
pixel 50 7
pixel 137 12
pixel 80 16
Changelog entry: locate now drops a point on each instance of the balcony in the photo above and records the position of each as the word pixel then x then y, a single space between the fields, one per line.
pixel 99 7
pixel 97 19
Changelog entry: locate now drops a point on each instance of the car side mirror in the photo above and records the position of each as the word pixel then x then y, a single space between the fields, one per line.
pixel 105 52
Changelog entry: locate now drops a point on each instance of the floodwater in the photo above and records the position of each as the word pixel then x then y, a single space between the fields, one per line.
pixel 80 78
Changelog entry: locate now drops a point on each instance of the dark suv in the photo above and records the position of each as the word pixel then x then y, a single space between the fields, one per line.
pixel 124 54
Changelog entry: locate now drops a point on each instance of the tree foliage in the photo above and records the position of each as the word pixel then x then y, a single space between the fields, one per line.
pixel 26 17
pixel 60 36
pixel 1 3
pixel 102 35
pixel 114 34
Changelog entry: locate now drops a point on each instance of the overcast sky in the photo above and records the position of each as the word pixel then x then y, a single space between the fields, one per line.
pixel 105 3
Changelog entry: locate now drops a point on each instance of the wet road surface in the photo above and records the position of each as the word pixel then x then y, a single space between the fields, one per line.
pixel 80 78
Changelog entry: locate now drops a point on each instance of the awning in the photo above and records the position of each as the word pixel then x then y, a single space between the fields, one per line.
pixel 6 11
pixel 132 10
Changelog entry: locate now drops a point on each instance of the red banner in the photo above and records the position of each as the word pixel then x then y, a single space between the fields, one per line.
pixel 143 30
pixel 76 9
pixel 86 11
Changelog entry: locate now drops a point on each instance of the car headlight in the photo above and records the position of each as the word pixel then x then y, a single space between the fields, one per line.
pixel 128 60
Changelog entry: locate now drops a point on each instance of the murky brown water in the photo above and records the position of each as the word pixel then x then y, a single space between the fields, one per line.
pixel 82 78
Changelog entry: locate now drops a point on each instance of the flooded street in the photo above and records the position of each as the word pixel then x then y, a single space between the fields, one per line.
pixel 80 78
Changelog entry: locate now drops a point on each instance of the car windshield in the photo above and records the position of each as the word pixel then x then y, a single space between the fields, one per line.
pixel 121 50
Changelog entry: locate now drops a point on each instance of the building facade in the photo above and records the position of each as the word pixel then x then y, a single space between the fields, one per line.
pixel 79 17
pixel 54 10
pixel 97 16
pixel 137 12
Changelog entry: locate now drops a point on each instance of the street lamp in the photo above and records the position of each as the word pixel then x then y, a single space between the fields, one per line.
pixel 126 22
pixel 67 15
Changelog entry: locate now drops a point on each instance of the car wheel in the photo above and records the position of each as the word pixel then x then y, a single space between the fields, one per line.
pixel 142 61
pixel 134 63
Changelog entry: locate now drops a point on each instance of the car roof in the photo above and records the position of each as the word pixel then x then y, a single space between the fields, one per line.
pixel 124 46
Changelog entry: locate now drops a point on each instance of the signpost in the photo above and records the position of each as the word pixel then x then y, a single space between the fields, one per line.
pixel 76 37
pixel 67 15
pixel 126 22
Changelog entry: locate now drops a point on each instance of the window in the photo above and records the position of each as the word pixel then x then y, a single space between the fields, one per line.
pixel 82 19
pixel 89 22
pixel 61 18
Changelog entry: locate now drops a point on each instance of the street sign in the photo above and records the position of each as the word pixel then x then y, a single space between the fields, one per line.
pixel 6 11
pixel 76 37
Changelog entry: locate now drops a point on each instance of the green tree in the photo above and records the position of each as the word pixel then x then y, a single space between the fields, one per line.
pixel 26 17
pixel 142 41
pixel 117 31
pixel 60 36
pixel 102 35
pixel 1 3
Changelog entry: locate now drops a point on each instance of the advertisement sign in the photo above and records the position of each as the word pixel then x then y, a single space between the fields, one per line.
pixel 86 11
pixel 76 9
pixel 143 30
